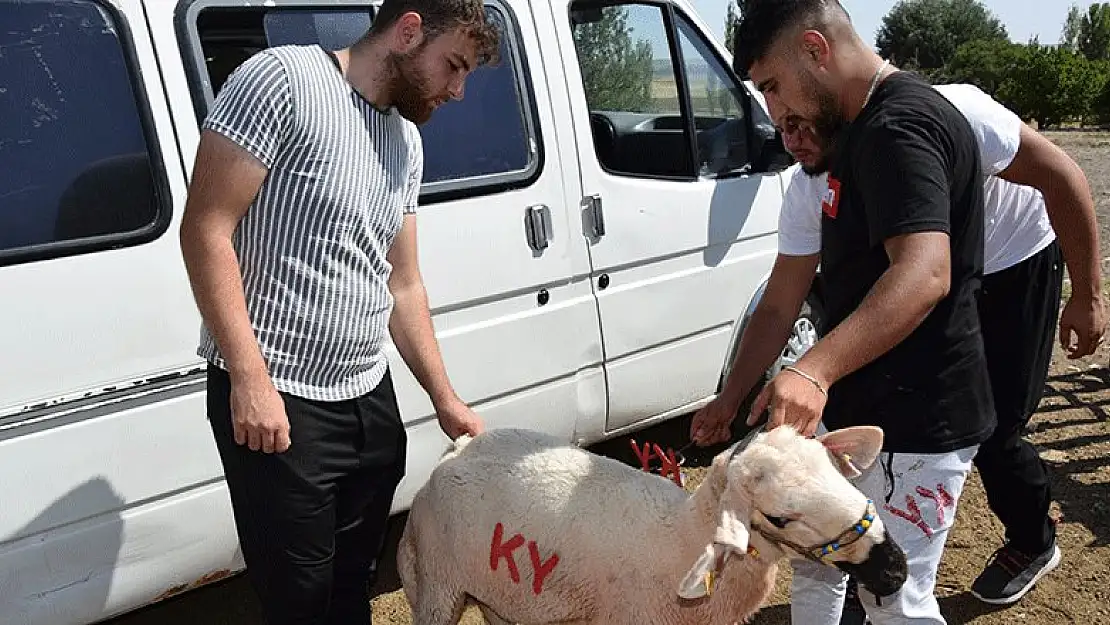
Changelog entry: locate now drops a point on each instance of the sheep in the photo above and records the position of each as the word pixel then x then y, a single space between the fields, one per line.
pixel 537 531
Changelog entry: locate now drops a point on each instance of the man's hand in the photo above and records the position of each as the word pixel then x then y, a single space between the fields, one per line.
pixel 1084 320
pixel 456 419
pixel 793 400
pixel 712 424
pixel 258 415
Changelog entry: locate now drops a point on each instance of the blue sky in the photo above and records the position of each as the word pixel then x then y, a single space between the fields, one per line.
pixel 1022 18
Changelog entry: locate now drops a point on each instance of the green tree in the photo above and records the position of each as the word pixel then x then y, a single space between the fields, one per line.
pixel 732 20
pixel 616 71
pixel 985 63
pixel 1052 84
pixel 923 35
pixel 1093 38
pixel 1069 37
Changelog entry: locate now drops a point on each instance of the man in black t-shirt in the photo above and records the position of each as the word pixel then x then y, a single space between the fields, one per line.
pixel 902 261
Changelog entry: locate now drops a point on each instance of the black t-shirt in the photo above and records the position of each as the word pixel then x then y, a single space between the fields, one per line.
pixel 909 163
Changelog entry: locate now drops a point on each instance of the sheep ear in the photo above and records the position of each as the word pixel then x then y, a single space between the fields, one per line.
pixel 853 449
pixel 699 580
pixel 731 537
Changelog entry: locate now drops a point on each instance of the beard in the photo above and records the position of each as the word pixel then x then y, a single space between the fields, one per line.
pixel 410 91
pixel 827 125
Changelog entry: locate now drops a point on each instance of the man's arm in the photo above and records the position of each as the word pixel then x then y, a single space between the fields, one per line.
pixel 411 323
pixel 239 141
pixel 762 340
pixel 1041 164
pixel 917 279
pixel 224 184
pixel 770 325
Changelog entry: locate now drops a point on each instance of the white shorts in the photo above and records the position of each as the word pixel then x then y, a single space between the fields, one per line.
pixel 915 495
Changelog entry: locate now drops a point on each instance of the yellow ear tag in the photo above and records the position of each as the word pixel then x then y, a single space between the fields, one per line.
pixel 709 579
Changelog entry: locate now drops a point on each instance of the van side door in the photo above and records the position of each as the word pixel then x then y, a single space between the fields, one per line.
pixel 680 223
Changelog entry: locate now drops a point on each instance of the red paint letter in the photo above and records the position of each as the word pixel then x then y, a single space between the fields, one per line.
pixel 498 550
pixel 541 569
pixel 913 516
pixel 644 456
pixel 669 465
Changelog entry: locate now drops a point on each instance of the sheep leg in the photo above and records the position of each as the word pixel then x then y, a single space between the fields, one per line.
pixel 492 618
pixel 438 608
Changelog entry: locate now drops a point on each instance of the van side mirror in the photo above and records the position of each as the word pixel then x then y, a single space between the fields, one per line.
pixel 769 152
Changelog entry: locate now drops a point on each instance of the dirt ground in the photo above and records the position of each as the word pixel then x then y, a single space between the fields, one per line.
pixel 1071 430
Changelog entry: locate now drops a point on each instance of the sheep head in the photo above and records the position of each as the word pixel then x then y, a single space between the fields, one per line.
pixel 789 496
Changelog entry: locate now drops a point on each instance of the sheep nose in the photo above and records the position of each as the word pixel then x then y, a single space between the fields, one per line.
pixel 883 572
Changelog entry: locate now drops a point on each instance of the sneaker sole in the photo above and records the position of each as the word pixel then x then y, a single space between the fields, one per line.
pixel 1014 598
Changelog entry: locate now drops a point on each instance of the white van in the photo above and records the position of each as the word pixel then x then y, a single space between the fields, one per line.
pixel 598 219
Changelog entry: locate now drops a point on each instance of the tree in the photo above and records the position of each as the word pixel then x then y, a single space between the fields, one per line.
pixel 616 71
pixel 732 21
pixel 924 35
pixel 1093 38
pixel 1069 37
pixel 985 63
pixel 1051 84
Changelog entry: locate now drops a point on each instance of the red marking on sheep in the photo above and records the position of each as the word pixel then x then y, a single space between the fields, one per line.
pixel 541 569
pixel 502 549
pixel 499 549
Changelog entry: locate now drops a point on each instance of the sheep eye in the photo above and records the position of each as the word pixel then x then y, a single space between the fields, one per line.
pixel 777 521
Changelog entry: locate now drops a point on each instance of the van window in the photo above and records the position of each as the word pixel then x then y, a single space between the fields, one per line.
pixel 486 141
pixel 75 170
pixel 653 112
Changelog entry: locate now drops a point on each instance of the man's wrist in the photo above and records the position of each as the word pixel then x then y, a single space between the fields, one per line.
pixel 815 370
pixel 246 372
pixel 444 399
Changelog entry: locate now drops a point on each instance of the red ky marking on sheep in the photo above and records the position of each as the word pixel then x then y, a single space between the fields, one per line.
pixel 501 549
pixel 942 498
pixel 668 460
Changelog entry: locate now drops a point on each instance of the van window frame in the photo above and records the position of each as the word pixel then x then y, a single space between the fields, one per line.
pixel 672 14
pixel 162 195
pixel 186 16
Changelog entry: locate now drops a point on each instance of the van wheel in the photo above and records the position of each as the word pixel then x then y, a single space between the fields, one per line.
pixel 802 337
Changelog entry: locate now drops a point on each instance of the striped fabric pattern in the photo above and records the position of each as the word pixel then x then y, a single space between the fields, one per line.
pixel 312 247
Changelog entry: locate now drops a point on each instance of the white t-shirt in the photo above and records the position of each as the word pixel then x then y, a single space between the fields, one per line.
pixel 1016 222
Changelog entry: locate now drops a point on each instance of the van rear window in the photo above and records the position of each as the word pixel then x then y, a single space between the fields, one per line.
pixel 75 169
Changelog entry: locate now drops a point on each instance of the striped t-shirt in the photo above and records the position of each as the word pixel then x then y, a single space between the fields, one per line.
pixel 312 246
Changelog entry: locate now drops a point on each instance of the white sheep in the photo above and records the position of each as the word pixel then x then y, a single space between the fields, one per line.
pixel 537 531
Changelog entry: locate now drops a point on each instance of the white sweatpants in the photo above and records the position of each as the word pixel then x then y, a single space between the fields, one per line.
pixel 915 495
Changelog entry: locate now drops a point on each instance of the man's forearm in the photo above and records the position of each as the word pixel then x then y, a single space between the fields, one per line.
pixel 213 270
pixel 410 325
pixel 1071 211
pixel 761 343
pixel 896 305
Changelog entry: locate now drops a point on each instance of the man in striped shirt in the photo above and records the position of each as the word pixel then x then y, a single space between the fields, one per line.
pixel 299 237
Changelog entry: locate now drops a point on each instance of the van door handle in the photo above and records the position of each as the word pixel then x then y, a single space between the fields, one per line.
pixel 538 227
pixel 597 218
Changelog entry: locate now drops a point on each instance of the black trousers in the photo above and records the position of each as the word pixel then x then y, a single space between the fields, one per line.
pixel 1019 308
pixel 311 521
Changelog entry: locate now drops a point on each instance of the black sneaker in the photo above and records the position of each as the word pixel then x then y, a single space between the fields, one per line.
pixel 853 613
pixel 1010 574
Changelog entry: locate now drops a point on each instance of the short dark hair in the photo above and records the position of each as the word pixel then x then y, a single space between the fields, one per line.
pixel 442 16
pixel 763 21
